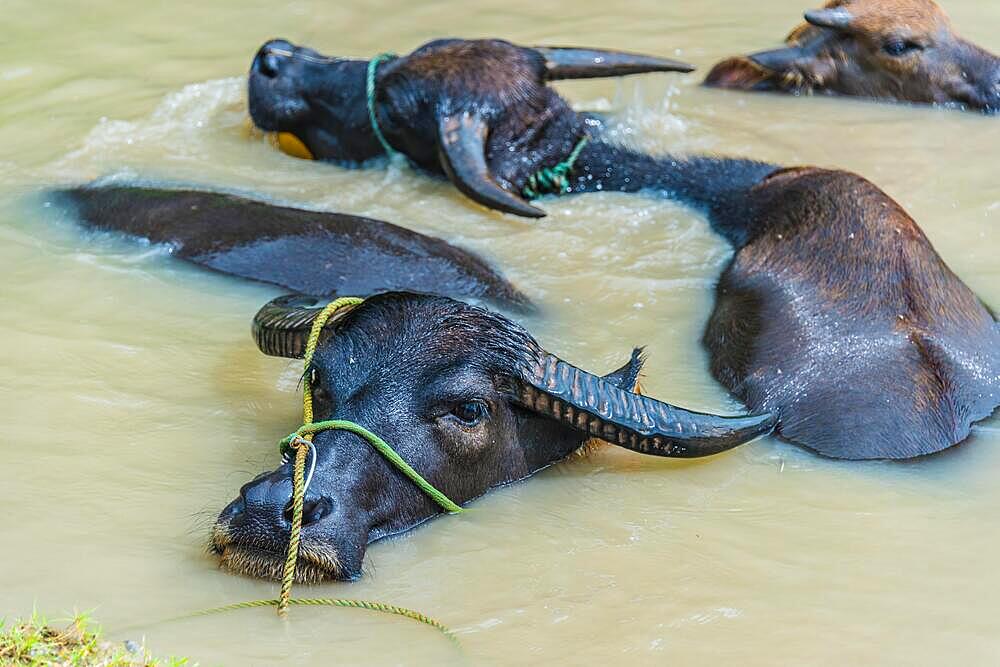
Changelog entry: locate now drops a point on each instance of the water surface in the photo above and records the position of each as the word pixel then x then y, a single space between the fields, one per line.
pixel 135 404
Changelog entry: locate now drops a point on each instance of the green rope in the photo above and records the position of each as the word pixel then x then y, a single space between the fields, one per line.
pixel 553 179
pixel 370 90
pixel 330 602
pixel 309 428
pixel 382 447
pixel 301 440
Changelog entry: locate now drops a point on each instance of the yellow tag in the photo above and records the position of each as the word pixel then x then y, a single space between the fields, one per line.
pixel 286 142
pixel 289 144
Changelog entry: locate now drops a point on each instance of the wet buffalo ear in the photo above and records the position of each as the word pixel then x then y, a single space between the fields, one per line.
pixel 462 152
pixel 627 377
pixel 572 63
pixel 739 73
pixel 780 60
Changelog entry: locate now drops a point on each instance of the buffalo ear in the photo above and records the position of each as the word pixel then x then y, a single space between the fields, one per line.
pixel 627 377
pixel 797 68
pixel 739 73
pixel 779 60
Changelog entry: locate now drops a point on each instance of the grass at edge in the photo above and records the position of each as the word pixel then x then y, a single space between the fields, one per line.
pixel 36 643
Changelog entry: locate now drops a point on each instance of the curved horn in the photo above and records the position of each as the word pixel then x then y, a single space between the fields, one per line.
pixel 571 63
pixel 597 407
pixel 462 151
pixel 835 19
pixel 281 327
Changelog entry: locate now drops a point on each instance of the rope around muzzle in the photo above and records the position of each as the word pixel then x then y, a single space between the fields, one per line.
pixel 301 443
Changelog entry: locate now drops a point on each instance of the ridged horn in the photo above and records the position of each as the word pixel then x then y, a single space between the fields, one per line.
pixel 600 409
pixel 281 327
pixel 462 152
pixel 835 19
pixel 571 63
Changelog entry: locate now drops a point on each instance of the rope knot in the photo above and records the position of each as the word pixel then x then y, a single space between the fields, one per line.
pixel 555 179
pixel 290 444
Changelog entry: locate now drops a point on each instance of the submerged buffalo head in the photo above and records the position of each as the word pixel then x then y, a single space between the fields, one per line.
pixel 479 111
pixel 468 398
pixel 903 50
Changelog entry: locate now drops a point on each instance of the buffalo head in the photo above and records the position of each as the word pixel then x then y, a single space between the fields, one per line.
pixel 478 111
pixel 468 398
pixel 904 50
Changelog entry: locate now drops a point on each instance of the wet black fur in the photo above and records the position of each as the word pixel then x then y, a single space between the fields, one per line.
pixel 312 252
pixel 397 365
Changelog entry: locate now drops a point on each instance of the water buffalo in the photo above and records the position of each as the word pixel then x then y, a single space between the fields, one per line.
pixel 465 396
pixel 835 313
pixel 479 111
pixel 835 270
pixel 902 50
pixel 308 251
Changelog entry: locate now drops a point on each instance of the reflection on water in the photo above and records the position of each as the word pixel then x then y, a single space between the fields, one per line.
pixel 135 404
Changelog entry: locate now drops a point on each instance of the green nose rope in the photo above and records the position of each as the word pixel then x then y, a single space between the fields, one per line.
pixel 370 91
pixel 301 443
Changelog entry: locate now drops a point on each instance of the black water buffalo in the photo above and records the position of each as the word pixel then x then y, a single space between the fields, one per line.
pixel 467 397
pixel 479 111
pixel 900 50
pixel 836 313
pixel 307 251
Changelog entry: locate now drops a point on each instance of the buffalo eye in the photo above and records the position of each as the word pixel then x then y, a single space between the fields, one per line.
pixel 900 47
pixel 319 393
pixel 469 413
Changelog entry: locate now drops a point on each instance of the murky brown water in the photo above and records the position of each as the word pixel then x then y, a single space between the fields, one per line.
pixel 134 403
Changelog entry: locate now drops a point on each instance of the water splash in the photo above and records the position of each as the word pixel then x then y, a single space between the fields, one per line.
pixel 185 127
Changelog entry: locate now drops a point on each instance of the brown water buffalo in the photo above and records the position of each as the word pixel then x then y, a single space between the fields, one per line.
pixel 900 50
pixel 835 313
pixel 466 396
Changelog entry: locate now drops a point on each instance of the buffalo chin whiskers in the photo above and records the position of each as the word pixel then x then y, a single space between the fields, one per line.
pixel 316 563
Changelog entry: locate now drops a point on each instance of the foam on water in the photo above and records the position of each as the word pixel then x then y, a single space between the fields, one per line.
pixel 183 127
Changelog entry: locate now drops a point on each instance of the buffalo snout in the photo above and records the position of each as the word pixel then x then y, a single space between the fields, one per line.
pixel 271 58
pixel 267 501
pixel 251 534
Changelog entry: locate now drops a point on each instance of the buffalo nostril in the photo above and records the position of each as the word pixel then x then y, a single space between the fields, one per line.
pixel 312 510
pixel 234 509
pixel 268 64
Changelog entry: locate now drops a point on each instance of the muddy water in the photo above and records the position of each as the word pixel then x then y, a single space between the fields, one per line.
pixel 134 403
